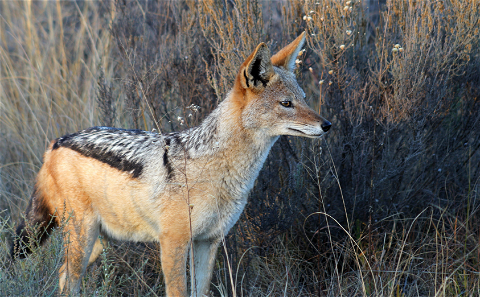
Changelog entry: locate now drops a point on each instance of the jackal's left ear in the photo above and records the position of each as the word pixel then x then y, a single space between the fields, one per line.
pixel 286 56
pixel 257 70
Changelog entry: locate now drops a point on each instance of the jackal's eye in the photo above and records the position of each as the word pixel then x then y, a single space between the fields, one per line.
pixel 286 103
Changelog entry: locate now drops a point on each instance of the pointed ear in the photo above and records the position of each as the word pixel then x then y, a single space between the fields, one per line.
pixel 257 70
pixel 286 56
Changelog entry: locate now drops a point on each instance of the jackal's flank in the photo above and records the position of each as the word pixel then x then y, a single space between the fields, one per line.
pixel 184 190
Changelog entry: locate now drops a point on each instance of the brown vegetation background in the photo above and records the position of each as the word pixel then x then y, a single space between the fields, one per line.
pixel 385 205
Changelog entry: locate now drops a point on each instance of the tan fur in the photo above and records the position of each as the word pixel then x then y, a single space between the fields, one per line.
pixel 208 189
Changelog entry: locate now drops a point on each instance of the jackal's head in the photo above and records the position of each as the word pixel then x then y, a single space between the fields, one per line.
pixel 270 98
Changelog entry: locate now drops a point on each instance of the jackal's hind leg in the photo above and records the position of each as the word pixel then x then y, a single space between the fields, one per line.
pixel 79 240
pixel 203 257
pixel 96 250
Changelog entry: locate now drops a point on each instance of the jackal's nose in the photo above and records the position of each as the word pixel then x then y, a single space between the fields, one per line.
pixel 326 126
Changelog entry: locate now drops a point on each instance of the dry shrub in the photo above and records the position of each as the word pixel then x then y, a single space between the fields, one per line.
pixel 404 118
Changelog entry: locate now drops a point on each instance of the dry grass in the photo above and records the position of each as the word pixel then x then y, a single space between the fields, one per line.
pixel 386 205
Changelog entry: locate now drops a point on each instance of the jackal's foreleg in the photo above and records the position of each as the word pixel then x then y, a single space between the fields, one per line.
pixel 202 258
pixel 174 250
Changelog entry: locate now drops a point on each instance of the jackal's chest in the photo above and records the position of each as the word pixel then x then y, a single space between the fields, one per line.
pixel 217 217
pixel 222 205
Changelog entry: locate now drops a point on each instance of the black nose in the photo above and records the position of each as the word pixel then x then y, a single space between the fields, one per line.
pixel 326 126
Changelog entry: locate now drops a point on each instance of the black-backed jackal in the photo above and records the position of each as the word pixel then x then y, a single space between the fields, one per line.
pixel 183 189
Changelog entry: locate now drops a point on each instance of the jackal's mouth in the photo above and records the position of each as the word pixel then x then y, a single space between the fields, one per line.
pixel 308 135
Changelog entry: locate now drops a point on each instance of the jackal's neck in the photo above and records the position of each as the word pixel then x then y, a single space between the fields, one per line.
pixel 242 151
pixel 223 140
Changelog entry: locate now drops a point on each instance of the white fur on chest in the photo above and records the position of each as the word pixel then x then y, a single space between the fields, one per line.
pixel 217 220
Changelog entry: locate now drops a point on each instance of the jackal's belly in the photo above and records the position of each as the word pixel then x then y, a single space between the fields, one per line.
pixel 129 224
pixel 126 211
pixel 129 221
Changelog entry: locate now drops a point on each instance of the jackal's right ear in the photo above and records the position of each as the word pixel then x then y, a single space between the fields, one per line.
pixel 257 70
pixel 286 56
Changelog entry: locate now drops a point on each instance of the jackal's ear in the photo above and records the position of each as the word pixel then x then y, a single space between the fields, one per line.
pixel 257 69
pixel 286 56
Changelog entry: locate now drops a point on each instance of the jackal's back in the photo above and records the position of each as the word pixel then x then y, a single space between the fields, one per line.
pixel 125 150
